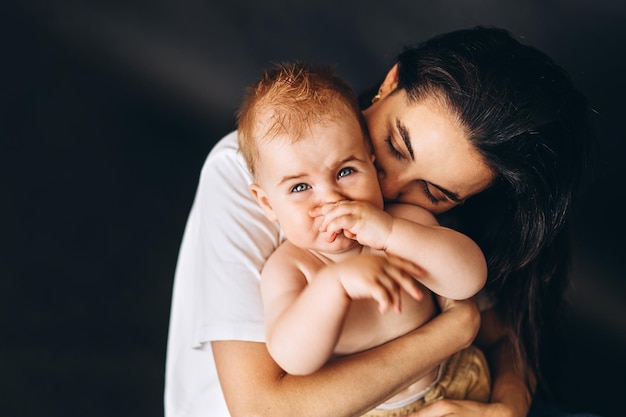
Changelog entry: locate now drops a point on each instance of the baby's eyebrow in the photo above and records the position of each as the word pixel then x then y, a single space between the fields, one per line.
pixel 289 178
pixel 351 158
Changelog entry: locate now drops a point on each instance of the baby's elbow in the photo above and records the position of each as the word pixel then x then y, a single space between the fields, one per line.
pixel 291 364
pixel 461 294
pixel 476 279
pixel 299 370
pixel 297 367
pixel 469 284
pixel 482 271
pixel 476 285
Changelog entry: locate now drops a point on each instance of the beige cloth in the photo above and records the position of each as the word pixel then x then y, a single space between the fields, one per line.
pixel 465 377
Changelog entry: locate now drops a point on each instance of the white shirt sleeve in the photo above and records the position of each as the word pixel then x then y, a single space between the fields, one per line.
pixel 226 242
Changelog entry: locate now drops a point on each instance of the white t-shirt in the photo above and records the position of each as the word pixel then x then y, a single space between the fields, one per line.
pixel 216 287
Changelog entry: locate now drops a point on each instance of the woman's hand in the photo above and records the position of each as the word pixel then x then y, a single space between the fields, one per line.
pixel 451 408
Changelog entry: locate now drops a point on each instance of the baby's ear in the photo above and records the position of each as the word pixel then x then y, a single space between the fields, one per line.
pixel 261 198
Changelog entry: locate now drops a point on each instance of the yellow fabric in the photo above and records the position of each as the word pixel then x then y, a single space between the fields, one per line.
pixel 465 377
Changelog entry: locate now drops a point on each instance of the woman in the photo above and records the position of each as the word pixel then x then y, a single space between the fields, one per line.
pixel 468 114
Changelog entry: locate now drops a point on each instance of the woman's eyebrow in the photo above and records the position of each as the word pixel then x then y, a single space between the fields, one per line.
pixel 406 138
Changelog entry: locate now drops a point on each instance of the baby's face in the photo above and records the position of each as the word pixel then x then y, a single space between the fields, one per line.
pixel 331 163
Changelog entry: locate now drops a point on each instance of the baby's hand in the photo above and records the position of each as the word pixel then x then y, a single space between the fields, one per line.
pixel 358 220
pixel 377 277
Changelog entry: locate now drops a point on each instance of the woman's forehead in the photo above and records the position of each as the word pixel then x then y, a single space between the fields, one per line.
pixel 440 146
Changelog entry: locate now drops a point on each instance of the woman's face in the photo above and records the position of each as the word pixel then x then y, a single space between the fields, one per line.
pixel 423 155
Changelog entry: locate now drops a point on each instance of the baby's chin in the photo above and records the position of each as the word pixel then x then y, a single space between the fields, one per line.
pixel 340 246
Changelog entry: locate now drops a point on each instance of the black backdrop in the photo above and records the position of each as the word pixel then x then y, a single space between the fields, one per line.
pixel 108 110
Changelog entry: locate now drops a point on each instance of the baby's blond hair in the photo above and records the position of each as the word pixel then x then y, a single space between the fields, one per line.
pixel 287 100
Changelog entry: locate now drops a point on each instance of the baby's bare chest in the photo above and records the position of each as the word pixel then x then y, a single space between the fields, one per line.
pixel 365 327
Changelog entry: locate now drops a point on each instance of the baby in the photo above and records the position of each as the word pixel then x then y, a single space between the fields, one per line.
pixel 352 273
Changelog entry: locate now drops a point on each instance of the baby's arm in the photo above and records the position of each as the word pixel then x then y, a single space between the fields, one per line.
pixel 454 265
pixel 304 320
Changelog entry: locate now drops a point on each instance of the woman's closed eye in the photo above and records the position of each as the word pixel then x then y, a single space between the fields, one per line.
pixel 429 195
pixel 438 196
pixel 392 149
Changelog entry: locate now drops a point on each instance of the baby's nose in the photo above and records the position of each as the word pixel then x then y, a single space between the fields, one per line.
pixel 332 195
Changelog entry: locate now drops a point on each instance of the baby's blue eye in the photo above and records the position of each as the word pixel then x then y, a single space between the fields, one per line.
pixel 298 188
pixel 344 172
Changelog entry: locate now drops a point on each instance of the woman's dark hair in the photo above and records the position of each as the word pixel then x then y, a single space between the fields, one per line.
pixel 523 114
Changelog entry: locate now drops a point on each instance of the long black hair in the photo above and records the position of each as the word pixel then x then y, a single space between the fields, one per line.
pixel 531 125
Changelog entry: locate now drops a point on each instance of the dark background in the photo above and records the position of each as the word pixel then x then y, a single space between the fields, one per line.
pixel 108 110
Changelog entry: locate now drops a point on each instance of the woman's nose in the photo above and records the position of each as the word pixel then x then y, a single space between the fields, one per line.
pixel 390 189
pixel 388 183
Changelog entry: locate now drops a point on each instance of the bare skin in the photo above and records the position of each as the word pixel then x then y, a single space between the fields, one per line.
pixel 257 386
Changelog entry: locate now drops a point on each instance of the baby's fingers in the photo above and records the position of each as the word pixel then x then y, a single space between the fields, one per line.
pixel 404 276
pixel 381 297
pixel 331 223
pixel 387 296
pixel 335 214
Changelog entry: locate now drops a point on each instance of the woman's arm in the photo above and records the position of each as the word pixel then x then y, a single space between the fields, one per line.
pixel 509 383
pixel 254 385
